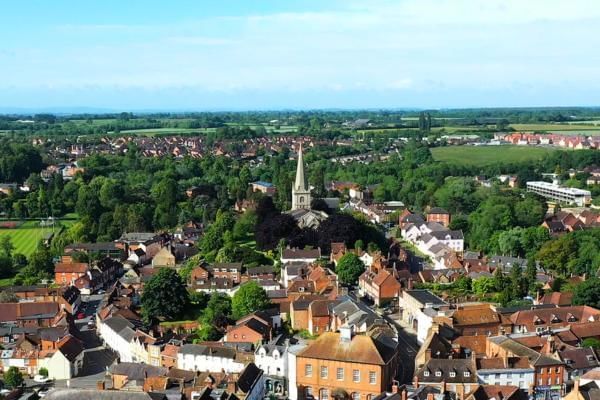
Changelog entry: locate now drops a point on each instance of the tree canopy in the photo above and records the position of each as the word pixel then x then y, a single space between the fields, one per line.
pixel 165 296
pixel 250 297
pixel 349 268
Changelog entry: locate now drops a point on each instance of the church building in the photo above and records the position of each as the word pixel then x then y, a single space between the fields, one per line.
pixel 301 198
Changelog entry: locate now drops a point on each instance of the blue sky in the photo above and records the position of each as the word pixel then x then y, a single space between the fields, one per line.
pixel 268 54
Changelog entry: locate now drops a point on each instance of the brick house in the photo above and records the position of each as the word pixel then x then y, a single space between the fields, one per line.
pixel 378 284
pixel 361 365
pixel 437 214
pixel 67 273
pixel 478 319
pixel 252 330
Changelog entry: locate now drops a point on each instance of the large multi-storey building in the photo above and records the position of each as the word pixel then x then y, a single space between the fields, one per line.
pixel 560 194
pixel 361 365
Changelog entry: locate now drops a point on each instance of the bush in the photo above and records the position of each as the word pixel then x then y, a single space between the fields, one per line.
pixel 43 371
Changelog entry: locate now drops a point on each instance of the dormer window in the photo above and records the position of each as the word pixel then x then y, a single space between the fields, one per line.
pixel 438 373
pixel 537 320
pixel 467 374
pixel 571 318
pixel 555 319
pixel 301 289
pixel 426 373
pixel 452 374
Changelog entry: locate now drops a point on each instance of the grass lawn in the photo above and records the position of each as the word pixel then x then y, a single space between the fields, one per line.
pixel 26 237
pixel 485 155
pixel 6 282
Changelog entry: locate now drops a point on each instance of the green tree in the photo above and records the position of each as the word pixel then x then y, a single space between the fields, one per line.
pixel 484 285
pixel 250 297
pixel 165 297
pixel 217 311
pixel 359 245
pixel 587 293
pixel 13 377
pixel 6 245
pixel 592 342
pixel 43 372
pixel 349 268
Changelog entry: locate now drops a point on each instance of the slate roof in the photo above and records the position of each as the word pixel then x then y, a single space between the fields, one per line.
pixel 424 297
pixel 451 370
pixel 204 350
pixel 301 253
pixel 137 371
pixel 249 377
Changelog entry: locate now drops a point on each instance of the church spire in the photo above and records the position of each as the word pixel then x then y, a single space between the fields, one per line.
pixel 300 184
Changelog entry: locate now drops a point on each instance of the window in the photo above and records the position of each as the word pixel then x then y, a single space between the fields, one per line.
pixel 521 375
pixel 372 377
pixel 324 394
pixel 467 374
pixel 340 374
pixel 355 396
pixel 452 374
pixel 308 391
pixel 324 372
pixel 557 381
pixel 355 375
pixel 557 370
pixel 497 376
pixel 549 381
pixel 426 373
pixel 308 370
pixel 438 373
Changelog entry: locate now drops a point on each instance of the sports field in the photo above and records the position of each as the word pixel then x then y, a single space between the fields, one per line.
pixel 26 237
pixel 486 155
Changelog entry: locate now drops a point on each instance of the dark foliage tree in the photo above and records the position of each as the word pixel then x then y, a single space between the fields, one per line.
pixel 165 297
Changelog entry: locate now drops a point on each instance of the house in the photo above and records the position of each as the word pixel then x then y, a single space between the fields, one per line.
pixel 378 284
pixel 117 334
pixel 230 271
pixel 439 215
pixel 549 375
pixel 40 314
pixel 362 365
pixel 496 392
pixel 475 319
pixel 588 391
pixel 337 251
pixel 251 329
pixel 272 359
pixel 164 258
pixel 293 270
pixel 67 360
pixel 107 249
pixel 263 187
pixel 300 255
pixel 250 384
pixel 67 273
pixel 546 319
pixel 418 308
pixel 211 358
pixel 516 371
pixel 452 374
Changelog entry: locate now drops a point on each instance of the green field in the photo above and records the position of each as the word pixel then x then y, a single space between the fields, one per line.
pixel 27 236
pixel 486 155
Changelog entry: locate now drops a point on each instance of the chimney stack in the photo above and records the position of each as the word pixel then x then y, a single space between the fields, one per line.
pixel 100 385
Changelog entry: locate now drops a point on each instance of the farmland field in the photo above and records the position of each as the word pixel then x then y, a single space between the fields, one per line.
pixel 486 155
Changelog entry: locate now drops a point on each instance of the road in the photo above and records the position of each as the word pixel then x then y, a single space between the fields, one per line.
pixel 408 346
pixel 96 358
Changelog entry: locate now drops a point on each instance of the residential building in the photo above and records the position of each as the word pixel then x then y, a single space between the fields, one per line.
pixel 439 215
pixel 418 308
pixel 451 374
pixel 362 365
pixel 211 358
pixel 263 187
pixel 578 197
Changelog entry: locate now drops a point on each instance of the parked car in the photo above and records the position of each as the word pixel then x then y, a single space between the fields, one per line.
pixel 81 315
pixel 41 379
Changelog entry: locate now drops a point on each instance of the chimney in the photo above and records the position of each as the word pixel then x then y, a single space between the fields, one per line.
pixel 430 396
pixel 427 355
pixel 444 386
pixel 394 386
pixel 100 385
pixel 404 394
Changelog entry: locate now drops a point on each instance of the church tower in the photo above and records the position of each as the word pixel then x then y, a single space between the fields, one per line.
pixel 300 190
